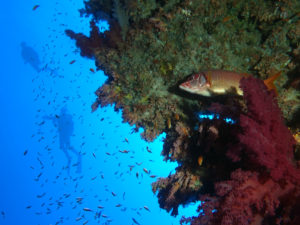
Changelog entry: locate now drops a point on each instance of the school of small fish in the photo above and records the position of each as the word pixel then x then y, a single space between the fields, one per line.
pixel 120 158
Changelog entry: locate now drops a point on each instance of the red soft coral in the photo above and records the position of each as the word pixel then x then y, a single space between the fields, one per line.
pixel 245 199
pixel 264 137
pixel 264 184
pixel 96 40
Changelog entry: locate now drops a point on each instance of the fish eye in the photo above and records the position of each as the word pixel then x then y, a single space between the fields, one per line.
pixel 202 80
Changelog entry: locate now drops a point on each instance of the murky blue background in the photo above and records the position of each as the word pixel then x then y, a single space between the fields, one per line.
pixel 37 82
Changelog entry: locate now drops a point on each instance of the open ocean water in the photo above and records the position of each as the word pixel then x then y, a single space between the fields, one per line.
pixel 60 163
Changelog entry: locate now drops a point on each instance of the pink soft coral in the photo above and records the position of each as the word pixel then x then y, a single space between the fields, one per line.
pixel 264 185
pixel 264 137
pixel 245 199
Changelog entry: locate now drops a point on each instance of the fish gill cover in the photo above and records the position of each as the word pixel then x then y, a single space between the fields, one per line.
pixel 244 173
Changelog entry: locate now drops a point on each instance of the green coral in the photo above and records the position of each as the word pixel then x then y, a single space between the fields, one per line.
pixel 121 14
pixel 165 41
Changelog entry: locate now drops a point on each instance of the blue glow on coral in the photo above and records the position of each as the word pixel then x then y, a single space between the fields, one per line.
pixel 211 116
pixel 229 120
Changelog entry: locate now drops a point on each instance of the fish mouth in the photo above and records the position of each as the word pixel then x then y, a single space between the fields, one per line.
pixel 187 88
pixel 184 87
pixel 198 91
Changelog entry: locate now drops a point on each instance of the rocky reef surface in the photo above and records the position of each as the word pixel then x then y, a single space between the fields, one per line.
pixel 245 172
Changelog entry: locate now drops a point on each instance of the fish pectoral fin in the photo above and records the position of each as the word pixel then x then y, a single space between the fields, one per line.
pixel 229 91
pixel 208 78
pixel 235 91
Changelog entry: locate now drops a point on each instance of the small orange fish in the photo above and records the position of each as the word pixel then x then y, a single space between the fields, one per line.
pixel 146 171
pixel 185 131
pixel 225 19
pixel 124 151
pixel 72 61
pixel 200 160
pixel 35 7
pixel 169 123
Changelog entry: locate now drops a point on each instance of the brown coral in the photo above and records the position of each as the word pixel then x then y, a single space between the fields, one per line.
pixel 176 189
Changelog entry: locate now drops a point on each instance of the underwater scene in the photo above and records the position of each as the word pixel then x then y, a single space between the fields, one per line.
pixel 142 112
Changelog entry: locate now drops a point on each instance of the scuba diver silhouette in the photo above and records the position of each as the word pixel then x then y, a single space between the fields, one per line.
pixel 64 124
pixel 30 56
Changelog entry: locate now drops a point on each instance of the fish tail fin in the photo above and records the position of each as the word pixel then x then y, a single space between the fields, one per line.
pixel 270 82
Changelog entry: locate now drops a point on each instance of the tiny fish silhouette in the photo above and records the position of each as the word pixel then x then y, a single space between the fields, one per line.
pixel 136 222
pixel 146 207
pixel 35 7
pixel 87 209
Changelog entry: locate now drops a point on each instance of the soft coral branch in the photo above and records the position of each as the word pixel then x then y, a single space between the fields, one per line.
pixel 96 40
pixel 265 138
pixel 264 179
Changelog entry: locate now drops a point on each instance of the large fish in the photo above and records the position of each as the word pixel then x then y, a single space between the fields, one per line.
pixel 208 83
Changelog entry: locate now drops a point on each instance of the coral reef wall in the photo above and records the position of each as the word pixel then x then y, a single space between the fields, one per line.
pixel 154 45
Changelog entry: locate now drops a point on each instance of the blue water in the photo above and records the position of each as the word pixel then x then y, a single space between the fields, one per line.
pixel 57 157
